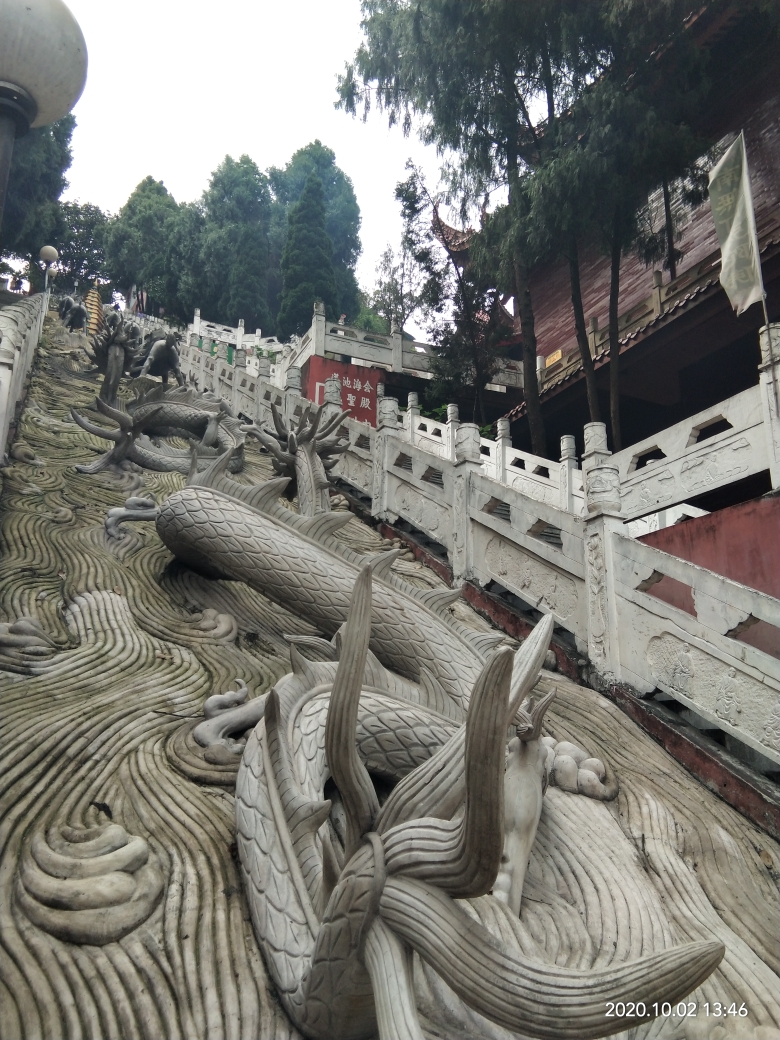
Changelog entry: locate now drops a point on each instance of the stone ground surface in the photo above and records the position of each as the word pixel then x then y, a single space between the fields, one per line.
pixel 666 862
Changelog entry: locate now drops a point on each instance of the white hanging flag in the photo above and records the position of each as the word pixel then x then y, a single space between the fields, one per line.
pixel 735 224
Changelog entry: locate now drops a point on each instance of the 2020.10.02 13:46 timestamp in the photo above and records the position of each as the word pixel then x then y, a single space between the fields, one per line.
pixel 685 1009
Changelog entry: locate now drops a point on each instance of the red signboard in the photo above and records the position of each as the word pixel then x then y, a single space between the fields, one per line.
pixel 358 386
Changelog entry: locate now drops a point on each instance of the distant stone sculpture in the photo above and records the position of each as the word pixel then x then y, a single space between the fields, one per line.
pixel 160 357
pixel 304 453
pixel 73 315
pixel 114 350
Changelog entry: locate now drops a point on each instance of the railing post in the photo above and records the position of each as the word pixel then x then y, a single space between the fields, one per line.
pixel 568 466
pixel 332 398
pixel 396 338
pixel 602 500
pixel 467 462
pixel 412 413
pixel 453 422
pixel 600 475
pixel 239 334
pixel 318 328
pixel 386 424
pixel 196 322
pixel 769 338
pixel 503 444
pixel 293 380
pixel 239 371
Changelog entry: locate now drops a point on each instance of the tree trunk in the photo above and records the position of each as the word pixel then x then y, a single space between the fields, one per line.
pixel 614 343
pixel 670 250
pixel 524 310
pixel 582 333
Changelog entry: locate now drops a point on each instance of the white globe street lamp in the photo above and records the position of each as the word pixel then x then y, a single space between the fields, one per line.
pixel 49 255
pixel 43 69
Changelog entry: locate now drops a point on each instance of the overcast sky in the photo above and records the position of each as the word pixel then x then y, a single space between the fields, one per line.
pixel 175 85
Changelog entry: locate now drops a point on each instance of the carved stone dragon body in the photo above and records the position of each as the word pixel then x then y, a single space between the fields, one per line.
pixel 343 890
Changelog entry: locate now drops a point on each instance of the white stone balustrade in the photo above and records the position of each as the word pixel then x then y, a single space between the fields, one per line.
pixel 556 537
pixel 20 330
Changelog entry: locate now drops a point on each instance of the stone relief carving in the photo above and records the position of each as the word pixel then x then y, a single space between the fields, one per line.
pixel 597 595
pixel 724 691
pixel 160 413
pixel 772 728
pixel 422 512
pixel 715 466
pixel 728 704
pixel 533 579
pixel 652 490
pixel 88 884
pixel 354 470
pixel 602 487
pixel 112 716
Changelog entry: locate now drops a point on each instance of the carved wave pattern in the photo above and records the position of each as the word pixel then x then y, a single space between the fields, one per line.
pixel 88 731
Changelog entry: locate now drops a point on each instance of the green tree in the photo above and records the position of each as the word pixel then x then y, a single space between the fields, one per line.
pixel 399 289
pixel 136 240
pixel 234 244
pixel 307 266
pixel 32 215
pixel 462 306
pixel 629 132
pixel 342 220
pixel 81 246
pixel 472 73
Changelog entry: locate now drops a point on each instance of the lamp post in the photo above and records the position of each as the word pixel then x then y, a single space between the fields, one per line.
pixel 43 68
pixel 49 255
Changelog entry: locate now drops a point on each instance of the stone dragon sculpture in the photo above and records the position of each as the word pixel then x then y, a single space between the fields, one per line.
pixel 344 887
pixel 202 419
pixel 305 453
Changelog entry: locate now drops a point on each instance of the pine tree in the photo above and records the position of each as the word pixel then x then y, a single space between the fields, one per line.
pixel 307 266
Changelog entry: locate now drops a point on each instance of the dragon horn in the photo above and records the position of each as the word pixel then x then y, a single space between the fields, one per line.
pixel 271 444
pixel 528 661
pixel 281 429
pixel 348 772
pixel 315 423
pixel 122 418
pixel 331 424
pixel 537 999
pixel 98 431
pixel 463 856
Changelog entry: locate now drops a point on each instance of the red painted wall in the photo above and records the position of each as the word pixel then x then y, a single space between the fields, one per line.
pixel 550 286
pixel 358 385
pixel 741 543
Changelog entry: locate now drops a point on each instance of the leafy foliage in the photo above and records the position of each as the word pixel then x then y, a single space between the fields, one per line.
pixel 465 321
pixel 224 252
pixel 136 240
pixel 33 217
pixel 81 246
pixel 342 219
pixel 399 292
pixel 307 267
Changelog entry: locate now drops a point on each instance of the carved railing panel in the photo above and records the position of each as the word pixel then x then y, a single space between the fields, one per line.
pixel 696 658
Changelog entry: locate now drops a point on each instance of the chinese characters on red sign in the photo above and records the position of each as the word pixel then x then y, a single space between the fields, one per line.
pixel 358 386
